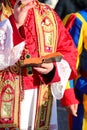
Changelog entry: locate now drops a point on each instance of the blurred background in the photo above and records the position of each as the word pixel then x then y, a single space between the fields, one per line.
pixel 62 117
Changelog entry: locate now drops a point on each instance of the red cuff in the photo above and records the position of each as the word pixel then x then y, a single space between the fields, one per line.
pixel 69 98
pixel 56 77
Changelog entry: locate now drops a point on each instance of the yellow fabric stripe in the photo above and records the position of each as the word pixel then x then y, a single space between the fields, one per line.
pixel 85 36
pixel 84 27
pixel 80 42
pixel 68 85
pixel 84 127
pixel 80 17
pixel 66 18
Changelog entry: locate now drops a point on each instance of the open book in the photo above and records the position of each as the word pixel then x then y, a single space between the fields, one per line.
pixel 53 57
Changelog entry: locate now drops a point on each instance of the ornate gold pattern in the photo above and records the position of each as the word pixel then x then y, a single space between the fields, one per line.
pixel 10 90
pixel 47 31
pixel 44 108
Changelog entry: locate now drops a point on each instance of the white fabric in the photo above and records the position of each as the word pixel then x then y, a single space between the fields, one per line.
pixel 28 105
pixel 28 109
pixel 52 3
pixel 54 121
pixel 9 54
pixel 64 72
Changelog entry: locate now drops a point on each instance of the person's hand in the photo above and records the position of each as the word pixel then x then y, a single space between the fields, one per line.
pixel 21 9
pixel 72 109
pixel 45 68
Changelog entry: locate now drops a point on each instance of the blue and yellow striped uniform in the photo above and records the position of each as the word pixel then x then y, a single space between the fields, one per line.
pixel 76 24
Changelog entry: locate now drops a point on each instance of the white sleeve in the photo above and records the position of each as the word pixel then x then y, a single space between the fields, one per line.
pixel 64 72
pixel 9 54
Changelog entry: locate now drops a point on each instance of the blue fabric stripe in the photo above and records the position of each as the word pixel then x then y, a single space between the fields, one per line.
pixel 81 85
pixel 75 31
pixel 84 14
pixel 83 60
pixel 77 121
pixel 71 82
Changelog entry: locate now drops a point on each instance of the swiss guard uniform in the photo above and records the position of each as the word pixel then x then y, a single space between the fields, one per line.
pixel 76 24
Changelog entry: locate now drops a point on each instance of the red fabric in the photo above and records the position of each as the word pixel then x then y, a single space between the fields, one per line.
pixel 69 98
pixel 65 46
pixel 51 77
pixel 70 121
pixel 12 2
pixel 16 35
pixel 70 21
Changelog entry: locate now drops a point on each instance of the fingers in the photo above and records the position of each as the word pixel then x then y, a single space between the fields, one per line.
pixel 74 112
pixel 20 4
pixel 73 109
pixel 27 1
pixel 41 70
pixel 44 68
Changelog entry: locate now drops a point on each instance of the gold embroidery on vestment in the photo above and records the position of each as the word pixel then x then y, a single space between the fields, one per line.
pixel 47 33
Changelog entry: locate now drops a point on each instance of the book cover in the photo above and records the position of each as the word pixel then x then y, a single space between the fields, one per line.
pixel 53 57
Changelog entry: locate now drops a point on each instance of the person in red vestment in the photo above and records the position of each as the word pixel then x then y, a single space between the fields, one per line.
pixel 32 90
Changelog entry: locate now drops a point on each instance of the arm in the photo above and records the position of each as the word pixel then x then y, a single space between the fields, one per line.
pixel 64 42
pixel 67 48
pixel 74 26
pixel 70 55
